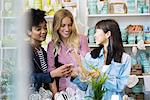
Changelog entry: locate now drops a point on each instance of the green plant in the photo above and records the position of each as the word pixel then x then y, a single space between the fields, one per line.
pixel 96 82
pixel 97 85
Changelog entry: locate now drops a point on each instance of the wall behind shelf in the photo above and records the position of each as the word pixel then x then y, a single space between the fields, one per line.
pixel 123 21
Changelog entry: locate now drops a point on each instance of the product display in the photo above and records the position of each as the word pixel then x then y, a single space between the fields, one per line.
pixel 117 7
pixel 133 17
pixel 91 33
pixel 134 29
pixel 51 6
pixel 147 35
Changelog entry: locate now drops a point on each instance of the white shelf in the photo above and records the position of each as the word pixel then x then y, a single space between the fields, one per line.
pixel 143 76
pixel 131 45
pixel 119 15
pixel 93 45
pixel 11 48
pixel 125 45
pixel 69 4
pixel 8 17
pixel 49 18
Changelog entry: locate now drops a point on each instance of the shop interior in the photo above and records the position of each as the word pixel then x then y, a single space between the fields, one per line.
pixel 133 17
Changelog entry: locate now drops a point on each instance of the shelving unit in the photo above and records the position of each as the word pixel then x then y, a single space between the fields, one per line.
pixel 87 21
pixel 123 20
pixel 119 15
pixel 142 76
pixel 125 45
pixel 8 49
pixel 49 18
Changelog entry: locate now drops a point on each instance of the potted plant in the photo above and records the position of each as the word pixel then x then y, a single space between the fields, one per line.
pixel 97 84
pixel 94 78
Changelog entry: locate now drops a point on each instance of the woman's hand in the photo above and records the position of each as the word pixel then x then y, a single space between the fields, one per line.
pixel 94 74
pixel 62 71
pixel 74 73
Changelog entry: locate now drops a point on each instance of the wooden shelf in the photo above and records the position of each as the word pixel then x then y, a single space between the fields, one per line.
pixel 119 15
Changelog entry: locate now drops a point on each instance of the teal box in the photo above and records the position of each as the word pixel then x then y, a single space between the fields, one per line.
pixel 92 8
pixel 145 9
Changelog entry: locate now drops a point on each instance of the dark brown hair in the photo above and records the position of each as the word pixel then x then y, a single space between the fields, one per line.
pixel 35 17
pixel 115 46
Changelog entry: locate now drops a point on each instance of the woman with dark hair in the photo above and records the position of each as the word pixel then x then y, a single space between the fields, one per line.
pixel 37 32
pixel 110 58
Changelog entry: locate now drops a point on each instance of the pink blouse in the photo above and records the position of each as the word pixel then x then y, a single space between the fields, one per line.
pixel 65 57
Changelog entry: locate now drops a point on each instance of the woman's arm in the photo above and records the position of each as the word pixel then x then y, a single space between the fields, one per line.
pixel 42 78
pixel 81 85
pixel 63 70
pixel 53 87
pixel 84 45
pixel 50 56
pixel 51 65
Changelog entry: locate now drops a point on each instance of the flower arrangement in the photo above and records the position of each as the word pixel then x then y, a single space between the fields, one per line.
pixel 97 84
pixel 94 78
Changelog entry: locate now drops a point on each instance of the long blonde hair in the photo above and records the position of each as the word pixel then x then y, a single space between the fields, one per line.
pixel 73 40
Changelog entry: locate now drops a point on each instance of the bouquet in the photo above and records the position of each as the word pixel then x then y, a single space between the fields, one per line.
pixel 97 84
pixel 94 78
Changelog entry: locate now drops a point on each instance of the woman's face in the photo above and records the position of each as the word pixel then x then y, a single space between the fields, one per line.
pixel 38 33
pixel 100 36
pixel 65 28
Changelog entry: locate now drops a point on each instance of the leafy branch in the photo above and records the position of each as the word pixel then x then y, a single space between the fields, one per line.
pixel 97 84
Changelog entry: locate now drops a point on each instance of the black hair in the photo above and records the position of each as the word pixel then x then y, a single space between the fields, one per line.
pixel 35 17
pixel 115 46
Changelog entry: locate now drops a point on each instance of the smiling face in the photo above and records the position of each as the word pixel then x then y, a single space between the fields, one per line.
pixel 100 36
pixel 65 28
pixel 38 33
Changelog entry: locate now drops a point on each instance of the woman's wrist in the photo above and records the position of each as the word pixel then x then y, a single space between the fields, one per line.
pixel 52 76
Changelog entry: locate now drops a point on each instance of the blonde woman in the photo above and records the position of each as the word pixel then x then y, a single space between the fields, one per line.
pixel 65 41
